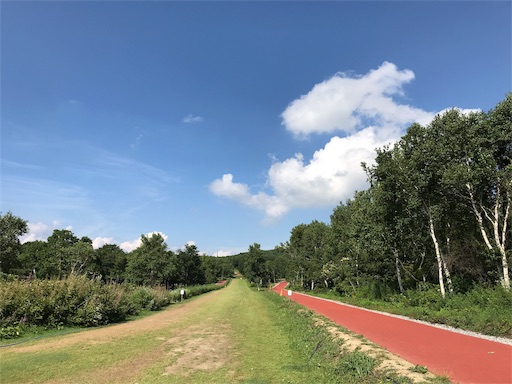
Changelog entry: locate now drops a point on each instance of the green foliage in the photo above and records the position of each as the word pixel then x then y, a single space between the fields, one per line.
pixel 11 228
pixel 188 266
pixel 150 263
pixel 152 299
pixel 419 369
pixel 10 332
pixel 79 301
pixel 356 364
pixel 74 301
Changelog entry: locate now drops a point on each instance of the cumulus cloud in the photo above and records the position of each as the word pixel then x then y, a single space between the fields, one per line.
pixel 332 175
pixel 40 231
pixel 101 241
pixel 271 205
pixel 129 246
pixel 345 103
pixel 192 119
pixel 364 110
pixel 36 231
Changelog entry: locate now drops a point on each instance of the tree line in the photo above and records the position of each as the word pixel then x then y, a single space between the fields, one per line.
pixel 437 213
pixel 63 254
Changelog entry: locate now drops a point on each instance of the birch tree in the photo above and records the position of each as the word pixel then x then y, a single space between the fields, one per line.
pixel 481 172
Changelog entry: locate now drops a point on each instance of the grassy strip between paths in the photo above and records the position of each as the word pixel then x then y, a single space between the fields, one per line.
pixel 235 335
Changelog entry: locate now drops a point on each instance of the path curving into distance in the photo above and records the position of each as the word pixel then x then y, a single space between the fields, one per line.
pixel 464 359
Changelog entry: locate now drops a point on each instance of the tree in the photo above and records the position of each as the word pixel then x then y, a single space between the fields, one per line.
pixel 307 252
pixel 36 260
pixel 69 253
pixel 189 267
pixel 480 172
pixel 111 262
pixel 255 266
pixel 149 264
pixel 11 228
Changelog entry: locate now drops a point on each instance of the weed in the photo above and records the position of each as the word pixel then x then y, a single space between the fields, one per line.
pixel 356 364
pixel 419 369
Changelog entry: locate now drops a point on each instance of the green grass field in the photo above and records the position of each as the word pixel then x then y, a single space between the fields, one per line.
pixel 235 335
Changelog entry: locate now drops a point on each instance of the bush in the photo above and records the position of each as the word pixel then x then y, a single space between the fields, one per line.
pixel 78 301
pixel 51 303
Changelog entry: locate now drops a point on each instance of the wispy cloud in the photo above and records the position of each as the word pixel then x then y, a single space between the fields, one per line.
pixel 364 109
pixel 189 119
pixel 15 164
pixel 136 143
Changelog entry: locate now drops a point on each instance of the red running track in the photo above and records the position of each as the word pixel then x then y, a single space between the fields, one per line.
pixel 463 358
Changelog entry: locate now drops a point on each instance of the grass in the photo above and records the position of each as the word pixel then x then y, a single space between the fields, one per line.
pixel 236 335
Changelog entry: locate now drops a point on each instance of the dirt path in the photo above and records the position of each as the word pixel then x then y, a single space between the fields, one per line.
pixel 177 340
pixel 465 359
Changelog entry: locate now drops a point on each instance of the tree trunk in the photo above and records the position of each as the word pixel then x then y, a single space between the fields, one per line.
pixel 500 239
pixel 447 274
pixel 398 274
pixel 438 254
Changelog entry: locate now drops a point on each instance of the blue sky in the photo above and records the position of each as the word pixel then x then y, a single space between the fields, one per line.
pixel 224 123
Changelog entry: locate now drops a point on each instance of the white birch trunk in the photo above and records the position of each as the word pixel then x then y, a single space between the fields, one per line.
pixel 494 220
pixel 398 274
pixel 438 254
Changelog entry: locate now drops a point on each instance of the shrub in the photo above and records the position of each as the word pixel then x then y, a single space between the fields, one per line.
pixel 78 301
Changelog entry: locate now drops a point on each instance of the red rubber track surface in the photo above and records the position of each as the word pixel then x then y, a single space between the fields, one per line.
pixel 463 358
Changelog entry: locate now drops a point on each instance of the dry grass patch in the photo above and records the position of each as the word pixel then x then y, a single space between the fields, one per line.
pixel 198 349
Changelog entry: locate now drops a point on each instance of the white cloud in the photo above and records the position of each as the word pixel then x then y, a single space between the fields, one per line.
pixel 361 107
pixel 222 253
pixel 192 119
pixel 346 104
pixel 225 187
pixel 36 231
pixel 461 111
pixel 129 246
pixel 41 231
pixel 101 241
pixel 331 176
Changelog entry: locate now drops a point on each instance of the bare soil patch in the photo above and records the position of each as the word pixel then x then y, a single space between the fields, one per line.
pixel 199 349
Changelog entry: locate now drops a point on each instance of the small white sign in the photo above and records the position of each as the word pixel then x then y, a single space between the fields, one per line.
pixel 289 292
pixel 182 292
